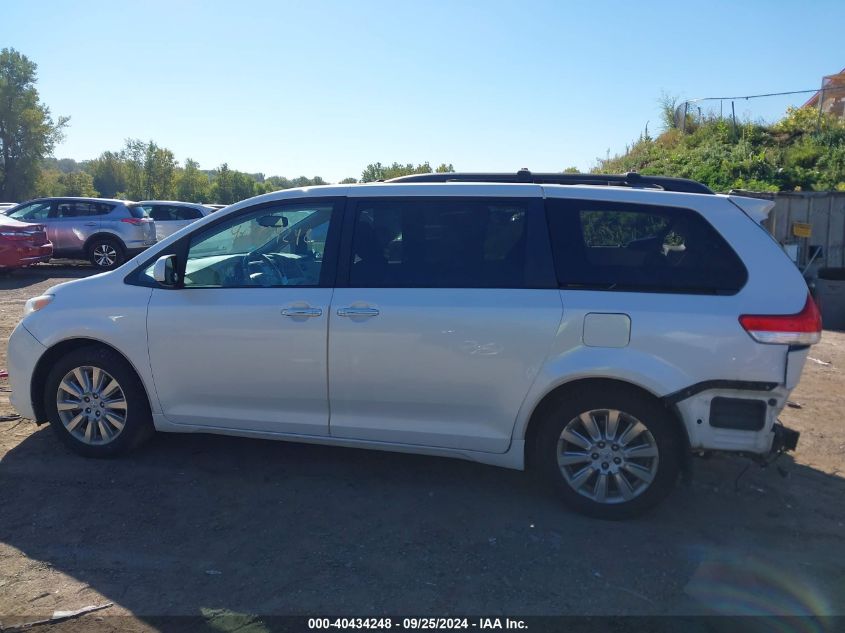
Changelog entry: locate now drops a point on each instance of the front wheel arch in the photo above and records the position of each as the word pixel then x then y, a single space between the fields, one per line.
pixel 49 358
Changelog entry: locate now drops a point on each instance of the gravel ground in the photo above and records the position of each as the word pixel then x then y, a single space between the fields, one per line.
pixel 204 525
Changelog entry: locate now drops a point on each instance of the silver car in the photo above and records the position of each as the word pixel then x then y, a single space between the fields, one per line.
pixel 170 216
pixel 105 232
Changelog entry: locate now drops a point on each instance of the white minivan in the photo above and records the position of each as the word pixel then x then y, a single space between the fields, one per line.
pixel 599 329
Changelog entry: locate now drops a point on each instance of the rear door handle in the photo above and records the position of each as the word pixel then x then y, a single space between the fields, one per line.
pixel 357 312
pixel 302 312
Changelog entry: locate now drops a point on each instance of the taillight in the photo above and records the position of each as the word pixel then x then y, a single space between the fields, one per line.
pixel 15 235
pixel 136 221
pixel 804 328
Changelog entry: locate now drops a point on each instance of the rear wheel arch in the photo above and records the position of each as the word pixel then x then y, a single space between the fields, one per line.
pixel 53 354
pixel 559 393
pixel 103 235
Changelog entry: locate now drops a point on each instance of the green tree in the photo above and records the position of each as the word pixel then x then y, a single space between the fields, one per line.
pixel 222 189
pixel 108 173
pixel 78 183
pixel 243 186
pixel 133 155
pixel 192 185
pixel 27 131
pixel 377 171
pixel 48 184
pixel 348 181
pixel 159 173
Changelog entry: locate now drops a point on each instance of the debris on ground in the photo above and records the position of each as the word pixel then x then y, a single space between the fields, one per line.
pixel 820 362
pixel 59 616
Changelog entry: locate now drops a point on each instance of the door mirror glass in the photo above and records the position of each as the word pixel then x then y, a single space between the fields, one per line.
pixel 164 271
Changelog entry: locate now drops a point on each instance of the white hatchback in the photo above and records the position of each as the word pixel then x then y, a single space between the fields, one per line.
pixel 599 329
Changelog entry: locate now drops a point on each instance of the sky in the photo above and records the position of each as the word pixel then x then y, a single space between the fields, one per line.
pixel 325 88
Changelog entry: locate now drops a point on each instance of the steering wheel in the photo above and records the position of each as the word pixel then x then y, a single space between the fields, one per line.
pixel 265 263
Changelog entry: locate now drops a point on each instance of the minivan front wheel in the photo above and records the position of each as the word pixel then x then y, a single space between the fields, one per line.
pixel 96 403
pixel 106 253
pixel 609 455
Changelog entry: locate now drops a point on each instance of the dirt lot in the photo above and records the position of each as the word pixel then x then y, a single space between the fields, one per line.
pixel 201 525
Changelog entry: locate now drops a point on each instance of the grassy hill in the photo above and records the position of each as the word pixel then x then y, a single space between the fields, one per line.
pixel 802 151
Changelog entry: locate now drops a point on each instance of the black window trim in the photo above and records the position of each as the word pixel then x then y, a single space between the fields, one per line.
pixel 328 267
pixel 577 205
pixel 539 262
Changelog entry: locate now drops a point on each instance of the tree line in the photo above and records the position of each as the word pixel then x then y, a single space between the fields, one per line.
pixel 146 171
pixel 140 170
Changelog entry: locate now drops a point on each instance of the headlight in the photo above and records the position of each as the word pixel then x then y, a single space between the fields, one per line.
pixel 37 303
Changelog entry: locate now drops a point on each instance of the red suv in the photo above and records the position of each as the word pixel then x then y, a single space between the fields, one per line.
pixel 22 244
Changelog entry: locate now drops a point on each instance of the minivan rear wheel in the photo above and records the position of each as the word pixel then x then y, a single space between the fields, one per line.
pixel 106 253
pixel 96 403
pixel 609 454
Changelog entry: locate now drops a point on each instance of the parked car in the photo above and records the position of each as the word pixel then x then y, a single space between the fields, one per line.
pixel 22 244
pixel 5 206
pixel 215 207
pixel 170 216
pixel 521 320
pixel 105 232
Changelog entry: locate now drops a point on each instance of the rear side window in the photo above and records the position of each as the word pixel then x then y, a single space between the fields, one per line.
pixel 441 243
pixel 620 246
pixel 171 213
pixel 185 213
pixel 80 209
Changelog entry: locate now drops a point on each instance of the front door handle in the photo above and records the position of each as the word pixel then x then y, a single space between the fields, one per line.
pixel 357 312
pixel 90 224
pixel 302 312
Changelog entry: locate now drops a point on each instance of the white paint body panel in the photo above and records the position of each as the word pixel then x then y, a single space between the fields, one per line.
pixel 227 357
pixel 437 367
pixel 444 372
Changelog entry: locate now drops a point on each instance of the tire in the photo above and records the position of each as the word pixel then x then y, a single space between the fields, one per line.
pixel 106 253
pixel 577 447
pixel 124 419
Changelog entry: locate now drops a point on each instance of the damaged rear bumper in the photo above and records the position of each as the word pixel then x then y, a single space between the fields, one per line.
pixel 785 439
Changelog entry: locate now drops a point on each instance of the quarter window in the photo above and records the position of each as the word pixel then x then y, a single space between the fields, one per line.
pixel 270 247
pixel 613 246
pixel 440 243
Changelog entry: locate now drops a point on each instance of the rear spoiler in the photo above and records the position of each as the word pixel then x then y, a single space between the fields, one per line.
pixel 755 208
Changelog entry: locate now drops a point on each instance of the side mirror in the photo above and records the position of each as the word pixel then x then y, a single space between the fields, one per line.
pixel 164 271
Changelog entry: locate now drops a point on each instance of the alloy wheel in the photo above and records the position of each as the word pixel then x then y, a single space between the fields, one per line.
pixel 91 405
pixel 607 455
pixel 105 255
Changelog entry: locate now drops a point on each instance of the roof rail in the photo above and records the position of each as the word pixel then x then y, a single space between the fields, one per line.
pixel 631 179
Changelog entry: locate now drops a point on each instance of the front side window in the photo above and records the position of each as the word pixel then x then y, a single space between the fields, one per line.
pixel 439 243
pixel 270 247
pixel 620 246
pixel 33 212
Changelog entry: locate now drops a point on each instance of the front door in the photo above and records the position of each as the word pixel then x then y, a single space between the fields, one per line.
pixel 450 310
pixel 242 344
